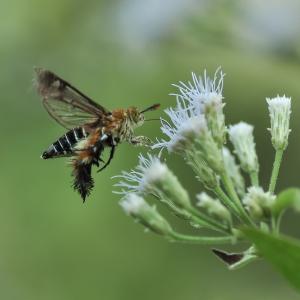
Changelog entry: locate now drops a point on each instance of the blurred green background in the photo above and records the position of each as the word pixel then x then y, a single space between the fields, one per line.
pixel 125 53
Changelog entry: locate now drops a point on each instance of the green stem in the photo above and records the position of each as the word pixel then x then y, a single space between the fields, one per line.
pixel 227 182
pixel 273 224
pixel 194 215
pixel 178 237
pixel 254 178
pixel 277 223
pixel 226 200
pixel 206 220
pixel 275 170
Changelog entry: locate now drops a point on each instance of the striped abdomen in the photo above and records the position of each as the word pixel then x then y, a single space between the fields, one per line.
pixel 64 146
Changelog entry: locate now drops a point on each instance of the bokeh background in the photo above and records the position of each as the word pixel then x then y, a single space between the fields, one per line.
pixel 125 53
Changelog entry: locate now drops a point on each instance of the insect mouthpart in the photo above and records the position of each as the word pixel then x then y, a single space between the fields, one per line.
pixel 152 120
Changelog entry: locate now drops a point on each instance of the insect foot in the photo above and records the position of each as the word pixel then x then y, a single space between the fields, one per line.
pixel 141 141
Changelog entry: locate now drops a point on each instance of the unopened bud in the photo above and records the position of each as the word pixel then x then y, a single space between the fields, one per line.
pixel 138 208
pixel 241 136
pixel 258 202
pixel 280 110
pixel 214 207
pixel 233 171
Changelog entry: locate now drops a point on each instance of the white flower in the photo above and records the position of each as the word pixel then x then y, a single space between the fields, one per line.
pixel 280 110
pixel 154 177
pixel 241 136
pixel 150 169
pixel 258 202
pixel 133 204
pixel 202 90
pixel 199 106
pixel 187 129
pixel 138 208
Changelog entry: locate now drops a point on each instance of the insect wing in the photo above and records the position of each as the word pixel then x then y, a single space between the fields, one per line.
pixel 66 104
pixel 67 115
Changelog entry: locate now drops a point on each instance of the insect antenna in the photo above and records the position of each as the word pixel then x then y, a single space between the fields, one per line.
pixel 152 107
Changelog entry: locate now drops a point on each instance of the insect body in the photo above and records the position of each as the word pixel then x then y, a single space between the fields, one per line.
pixel 91 128
pixel 66 144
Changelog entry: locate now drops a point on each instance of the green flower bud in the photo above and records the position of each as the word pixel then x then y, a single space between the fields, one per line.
pixel 234 171
pixel 214 207
pixel 138 208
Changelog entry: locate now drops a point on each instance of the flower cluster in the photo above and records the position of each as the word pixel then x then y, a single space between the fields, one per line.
pixel 197 132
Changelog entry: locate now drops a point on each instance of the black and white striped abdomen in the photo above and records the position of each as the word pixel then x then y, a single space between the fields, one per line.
pixel 64 146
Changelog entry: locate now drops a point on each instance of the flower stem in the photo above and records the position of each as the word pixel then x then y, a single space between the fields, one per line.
pixel 275 170
pixel 178 237
pixel 227 201
pixel 254 178
pixel 209 222
pixel 233 195
pixel 192 214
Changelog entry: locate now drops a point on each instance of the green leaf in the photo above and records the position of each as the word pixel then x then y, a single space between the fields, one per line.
pixel 287 198
pixel 282 252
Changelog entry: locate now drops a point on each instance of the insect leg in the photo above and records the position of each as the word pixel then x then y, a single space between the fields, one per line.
pixel 140 141
pixel 112 151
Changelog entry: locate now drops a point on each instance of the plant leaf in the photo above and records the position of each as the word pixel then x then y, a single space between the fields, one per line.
pixel 287 198
pixel 282 252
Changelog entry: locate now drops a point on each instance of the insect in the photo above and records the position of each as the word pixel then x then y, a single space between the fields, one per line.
pixel 91 128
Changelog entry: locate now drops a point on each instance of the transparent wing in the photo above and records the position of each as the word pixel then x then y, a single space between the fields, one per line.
pixel 68 115
pixel 66 104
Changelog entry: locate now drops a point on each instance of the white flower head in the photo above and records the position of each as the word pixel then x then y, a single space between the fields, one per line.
pixel 153 176
pixel 213 207
pixel 280 110
pixel 189 116
pixel 241 136
pixel 149 170
pixel 138 208
pixel 133 204
pixel 202 90
pixel 185 126
pixel 187 133
pixel 258 202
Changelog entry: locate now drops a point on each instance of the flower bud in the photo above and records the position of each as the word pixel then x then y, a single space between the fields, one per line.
pixel 159 178
pixel 280 110
pixel 234 171
pixel 258 202
pixel 203 172
pixel 214 207
pixel 241 136
pixel 213 110
pixel 209 150
pixel 138 208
